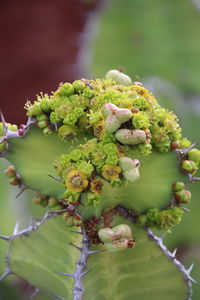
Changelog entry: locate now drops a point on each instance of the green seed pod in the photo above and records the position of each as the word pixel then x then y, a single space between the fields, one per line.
pixel 127 164
pixel 52 202
pixel 130 168
pixel 120 245
pixel 178 186
pixel 66 89
pixel 115 116
pixel 194 155
pixel 183 196
pixel 79 85
pixel 130 137
pixel 132 175
pixel 119 77
pixel 122 230
pixel 106 235
pixel 188 166
pixel 112 124
pixel 67 132
pixel 117 238
pixel 10 172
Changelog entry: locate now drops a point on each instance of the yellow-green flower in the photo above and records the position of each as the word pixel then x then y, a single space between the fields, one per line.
pixel 111 172
pixel 99 129
pixel 76 181
pixel 96 186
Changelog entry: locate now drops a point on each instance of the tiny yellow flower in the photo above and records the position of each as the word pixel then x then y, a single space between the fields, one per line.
pixel 99 129
pixel 111 172
pixel 96 186
pixel 120 150
pixel 76 181
pixel 140 90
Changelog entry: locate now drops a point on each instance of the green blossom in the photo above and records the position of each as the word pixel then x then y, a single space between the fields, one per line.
pixel 92 199
pixel 112 159
pixel 71 196
pixel 140 120
pixel 70 119
pixel 86 167
pixel 110 148
pixel 145 149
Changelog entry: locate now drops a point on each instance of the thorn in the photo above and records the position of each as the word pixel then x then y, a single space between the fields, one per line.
pixel 95 251
pixel 192 279
pixel 3 138
pixel 15 230
pixel 84 273
pixel 162 237
pixel 185 209
pixel 56 126
pixel 23 188
pixel 4 237
pixel 56 178
pixel 65 274
pixel 78 248
pixel 78 232
pixel 5 127
pixel 174 253
pixel 30 221
pixel 36 291
pixel 5 274
pixel 190 268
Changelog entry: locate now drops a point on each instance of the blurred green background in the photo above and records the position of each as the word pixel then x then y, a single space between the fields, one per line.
pixel 158 43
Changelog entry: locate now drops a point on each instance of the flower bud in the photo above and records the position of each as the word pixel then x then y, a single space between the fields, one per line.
pixel 194 155
pixel 52 202
pixel 70 221
pixel 130 137
pixel 10 172
pixel 183 196
pixel 14 181
pixel 188 166
pixel 3 146
pixel 119 77
pixel 178 186
pixel 77 221
pixel 67 132
pixel 42 124
pixel 142 220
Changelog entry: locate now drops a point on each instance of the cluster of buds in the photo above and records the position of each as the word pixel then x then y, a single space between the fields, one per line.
pixel 117 238
pixel 130 168
pixel 115 116
pixel 14 178
pixel 181 195
pixel 71 219
pixel 44 201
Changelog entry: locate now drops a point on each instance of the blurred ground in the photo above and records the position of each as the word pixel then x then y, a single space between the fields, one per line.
pixel 40 40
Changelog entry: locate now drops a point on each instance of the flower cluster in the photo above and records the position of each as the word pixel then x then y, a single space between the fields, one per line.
pixel 112 115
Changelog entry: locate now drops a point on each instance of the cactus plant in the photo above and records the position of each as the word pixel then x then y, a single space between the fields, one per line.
pixel 110 165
